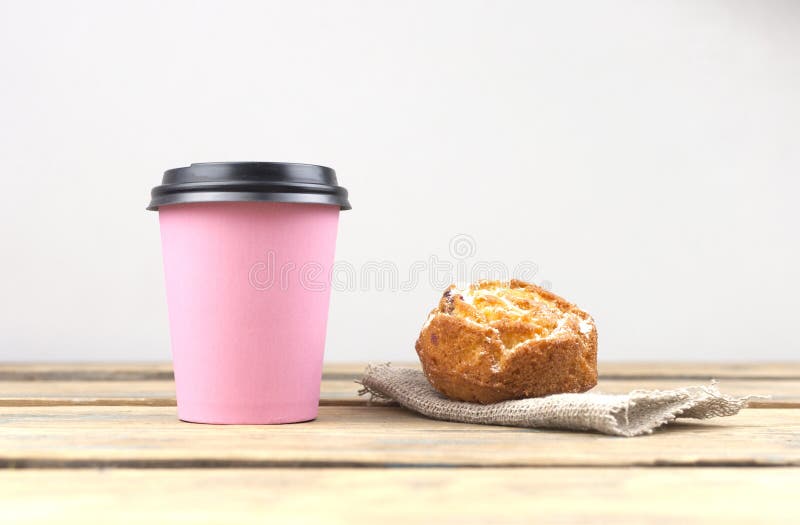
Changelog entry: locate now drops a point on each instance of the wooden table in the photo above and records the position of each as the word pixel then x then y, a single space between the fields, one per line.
pixel 101 443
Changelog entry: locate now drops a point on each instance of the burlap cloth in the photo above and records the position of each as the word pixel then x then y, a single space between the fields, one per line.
pixel 633 414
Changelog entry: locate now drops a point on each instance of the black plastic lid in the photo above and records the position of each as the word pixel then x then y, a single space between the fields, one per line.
pixel 249 181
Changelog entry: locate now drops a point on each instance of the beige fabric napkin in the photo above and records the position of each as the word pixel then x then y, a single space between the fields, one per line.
pixel 633 414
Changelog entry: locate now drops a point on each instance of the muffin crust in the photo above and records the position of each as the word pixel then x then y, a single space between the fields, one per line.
pixel 494 341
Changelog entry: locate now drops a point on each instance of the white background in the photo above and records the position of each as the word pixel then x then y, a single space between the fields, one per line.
pixel 643 154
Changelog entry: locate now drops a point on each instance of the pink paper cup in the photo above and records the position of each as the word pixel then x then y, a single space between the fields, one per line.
pixel 248 286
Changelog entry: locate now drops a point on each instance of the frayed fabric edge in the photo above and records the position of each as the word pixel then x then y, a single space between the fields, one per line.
pixel 695 395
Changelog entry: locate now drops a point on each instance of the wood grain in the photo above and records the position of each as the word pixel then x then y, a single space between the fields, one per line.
pixel 101 442
pixel 163 371
pixel 402 496
pixel 785 392
pixel 85 371
pixel 700 370
pixel 374 436
pixel 135 393
pixel 639 370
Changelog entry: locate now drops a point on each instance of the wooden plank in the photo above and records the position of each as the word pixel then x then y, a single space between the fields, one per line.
pixel 645 369
pixel 101 393
pixel 158 371
pixel 376 436
pixel 134 393
pixel 700 371
pixel 85 371
pixel 608 370
pixel 785 392
pixel 650 370
pixel 401 496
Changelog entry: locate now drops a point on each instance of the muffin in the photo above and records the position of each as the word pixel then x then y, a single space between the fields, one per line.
pixel 495 340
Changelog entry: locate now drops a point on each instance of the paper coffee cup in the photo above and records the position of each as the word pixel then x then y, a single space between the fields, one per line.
pixel 248 250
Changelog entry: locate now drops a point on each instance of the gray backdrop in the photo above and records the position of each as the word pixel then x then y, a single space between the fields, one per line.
pixel 641 157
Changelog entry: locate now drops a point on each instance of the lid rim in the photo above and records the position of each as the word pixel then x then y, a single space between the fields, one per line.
pixel 229 196
pixel 249 181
